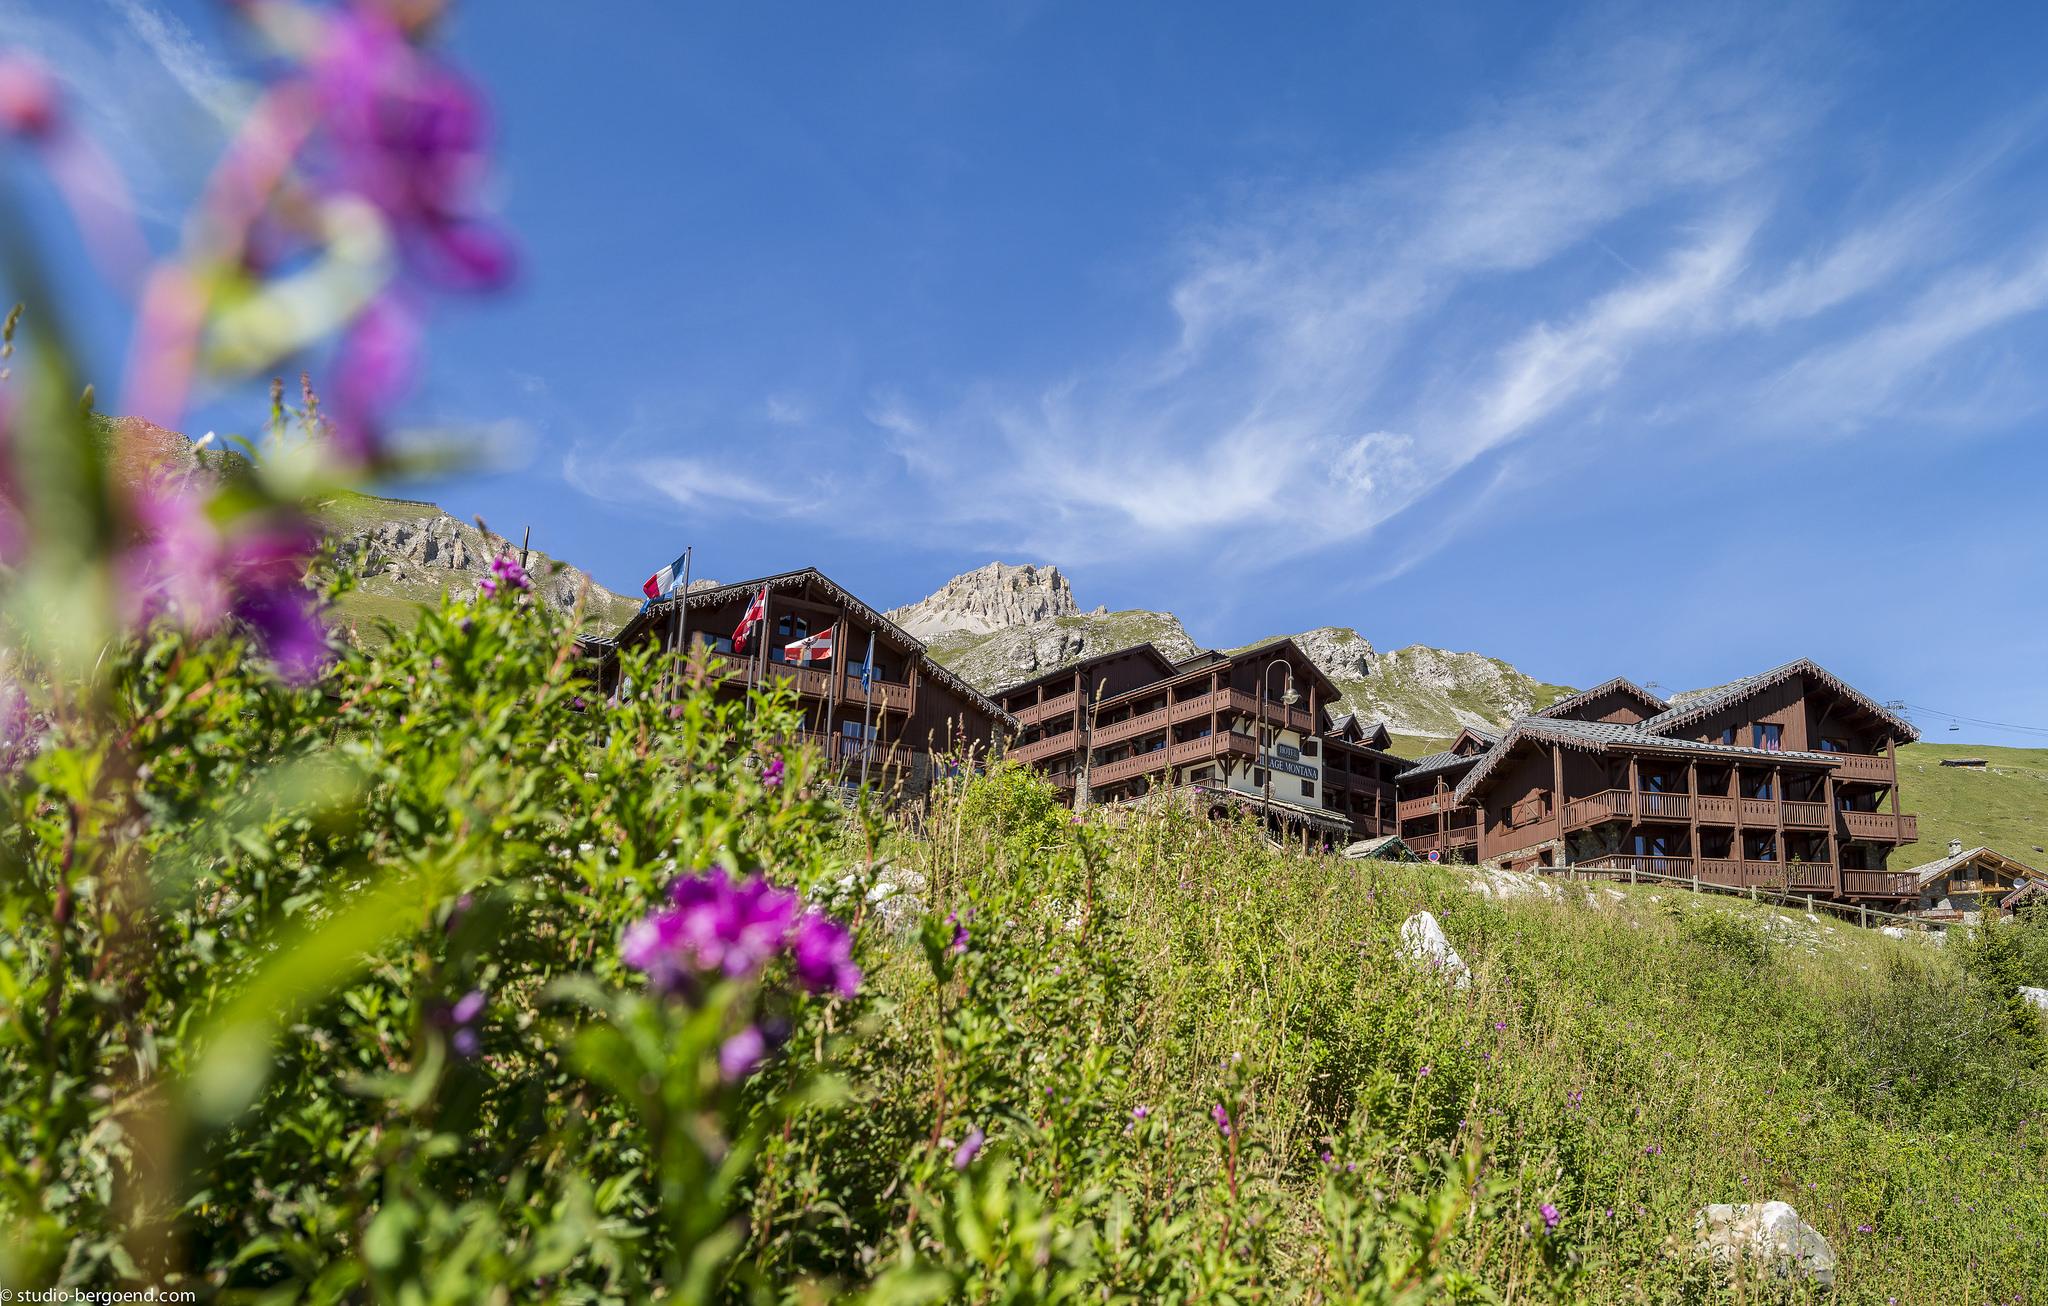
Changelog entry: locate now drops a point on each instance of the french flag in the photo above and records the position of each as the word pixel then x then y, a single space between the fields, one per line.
pixel 663 583
pixel 817 648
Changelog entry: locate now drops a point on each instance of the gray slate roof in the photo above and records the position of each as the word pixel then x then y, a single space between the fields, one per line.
pixel 1735 691
pixel 1956 861
pixel 1602 736
pixel 1444 761
pixel 1573 702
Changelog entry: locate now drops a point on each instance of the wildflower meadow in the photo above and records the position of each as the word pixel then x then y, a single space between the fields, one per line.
pixel 414 970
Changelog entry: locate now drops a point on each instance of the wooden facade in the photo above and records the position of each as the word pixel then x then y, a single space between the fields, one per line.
pixel 1970 882
pixel 1786 780
pixel 911 719
pixel 1221 727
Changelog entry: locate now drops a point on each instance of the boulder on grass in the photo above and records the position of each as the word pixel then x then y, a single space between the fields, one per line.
pixel 2038 997
pixel 1764 1236
pixel 1423 941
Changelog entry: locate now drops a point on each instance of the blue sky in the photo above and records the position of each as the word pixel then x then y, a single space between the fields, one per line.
pixel 1600 339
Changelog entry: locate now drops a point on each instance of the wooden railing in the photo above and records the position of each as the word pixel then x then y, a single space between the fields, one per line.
pixel 1879 884
pixel 1186 709
pixel 1714 810
pixel 1059 705
pixel 1813 815
pixel 1882 826
pixel 1652 805
pixel 1646 863
pixel 1759 811
pixel 1293 718
pixel 1108 732
pixel 1866 766
pixel 1051 746
pixel 1607 805
pixel 1124 768
pixel 1428 805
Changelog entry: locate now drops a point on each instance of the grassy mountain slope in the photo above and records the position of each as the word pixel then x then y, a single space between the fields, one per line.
pixel 2004 806
pixel 1626 1055
pixel 397 589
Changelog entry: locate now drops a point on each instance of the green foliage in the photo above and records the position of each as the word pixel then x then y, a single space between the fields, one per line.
pixel 241 916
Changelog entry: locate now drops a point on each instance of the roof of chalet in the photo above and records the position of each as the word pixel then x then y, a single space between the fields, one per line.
pixel 1373 736
pixel 1386 848
pixel 1933 871
pixel 1684 714
pixel 801 578
pixel 1622 684
pixel 1603 736
pixel 1444 761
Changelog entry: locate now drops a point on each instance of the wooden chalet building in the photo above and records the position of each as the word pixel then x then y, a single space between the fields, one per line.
pixel 1971 881
pixel 1251 730
pixel 912 716
pixel 1785 780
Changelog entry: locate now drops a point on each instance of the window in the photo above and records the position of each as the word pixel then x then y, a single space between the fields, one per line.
pixel 1308 748
pixel 1202 773
pixel 790 626
pixel 1832 746
pixel 1654 782
pixel 1308 789
pixel 1728 735
pixel 1767 735
pixel 1259 776
pixel 716 643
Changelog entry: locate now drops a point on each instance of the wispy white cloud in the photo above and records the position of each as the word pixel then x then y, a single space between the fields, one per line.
pixel 689 482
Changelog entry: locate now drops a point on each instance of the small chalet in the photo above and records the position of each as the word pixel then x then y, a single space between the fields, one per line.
pixel 874 702
pixel 1969 882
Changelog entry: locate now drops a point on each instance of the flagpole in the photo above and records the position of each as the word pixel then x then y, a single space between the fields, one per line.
pixel 682 619
pixel 867 690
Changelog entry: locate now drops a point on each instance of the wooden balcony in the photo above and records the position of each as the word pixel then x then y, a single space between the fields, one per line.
pixel 1712 809
pixel 1806 816
pixel 1125 768
pixel 1411 809
pixel 1052 746
pixel 1227 744
pixel 1057 706
pixel 1277 713
pixel 1881 827
pixel 1607 805
pixel 1110 732
pixel 1727 872
pixel 1879 884
pixel 1188 709
pixel 1464 838
pixel 882 754
pixel 1876 768
pixel 1654 805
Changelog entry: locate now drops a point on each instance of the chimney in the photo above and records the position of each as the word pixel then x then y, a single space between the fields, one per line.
pixel 1955 847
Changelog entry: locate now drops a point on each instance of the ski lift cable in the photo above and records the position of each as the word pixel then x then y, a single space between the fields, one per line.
pixel 1956 719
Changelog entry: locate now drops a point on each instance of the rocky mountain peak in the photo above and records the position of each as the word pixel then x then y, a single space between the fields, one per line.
pixel 991 598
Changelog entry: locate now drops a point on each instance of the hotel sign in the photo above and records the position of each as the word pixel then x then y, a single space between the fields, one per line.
pixel 1290 766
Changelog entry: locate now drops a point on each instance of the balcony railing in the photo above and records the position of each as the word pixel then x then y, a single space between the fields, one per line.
pixel 1879 884
pixel 1108 732
pixel 1655 805
pixel 1713 810
pixel 1059 705
pixel 1881 827
pixel 1124 768
pixel 1805 815
pixel 1052 746
pixel 1411 809
pixel 1607 805
pixel 1875 767
pixel 1728 872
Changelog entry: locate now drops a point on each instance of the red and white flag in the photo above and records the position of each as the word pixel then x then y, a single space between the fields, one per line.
pixel 756 613
pixel 815 648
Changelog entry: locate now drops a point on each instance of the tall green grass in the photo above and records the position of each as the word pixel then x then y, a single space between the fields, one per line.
pixel 1626 1055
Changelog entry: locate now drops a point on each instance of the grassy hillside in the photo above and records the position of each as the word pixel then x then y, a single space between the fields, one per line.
pixel 2004 806
pixel 1626 1056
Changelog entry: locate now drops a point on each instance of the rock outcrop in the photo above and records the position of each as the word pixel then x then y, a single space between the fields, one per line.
pixel 1423 941
pixel 1007 657
pixel 996 597
pixel 1766 1238
pixel 422 554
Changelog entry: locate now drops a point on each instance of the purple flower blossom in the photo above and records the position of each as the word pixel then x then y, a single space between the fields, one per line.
pixel 1423 1073
pixel 738 1055
pixel 771 774
pixel 959 944
pixel 1222 1119
pixel 822 953
pixel 1549 1214
pixel 461 1019
pixel 468 1007
pixel 28 98
pixel 1865 1228
pixel 715 927
pixel 970 1147
pixel 407 134
pixel 1140 1111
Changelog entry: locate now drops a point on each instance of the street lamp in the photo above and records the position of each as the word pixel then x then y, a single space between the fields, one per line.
pixel 1288 697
